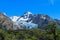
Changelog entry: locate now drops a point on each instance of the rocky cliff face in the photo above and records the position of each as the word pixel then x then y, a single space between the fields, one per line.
pixel 5 22
pixel 42 20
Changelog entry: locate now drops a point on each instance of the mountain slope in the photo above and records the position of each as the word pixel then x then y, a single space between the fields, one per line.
pixel 39 20
pixel 5 22
pixel 42 20
pixel 27 21
pixel 23 22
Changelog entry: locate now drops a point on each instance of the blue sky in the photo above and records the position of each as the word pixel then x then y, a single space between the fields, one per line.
pixel 18 7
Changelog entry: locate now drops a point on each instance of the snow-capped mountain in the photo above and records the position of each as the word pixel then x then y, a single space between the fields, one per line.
pixel 25 17
pixel 30 20
pixel 25 20
pixel 14 18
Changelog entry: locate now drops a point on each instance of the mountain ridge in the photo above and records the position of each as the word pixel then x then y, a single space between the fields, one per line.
pixel 29 20
pixel 40 19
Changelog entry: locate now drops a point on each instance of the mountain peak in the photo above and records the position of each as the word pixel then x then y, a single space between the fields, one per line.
pixel 26 16
pixel 28 12
pixel 14 18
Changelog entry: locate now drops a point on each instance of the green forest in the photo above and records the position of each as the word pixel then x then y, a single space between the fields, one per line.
pixel 50 33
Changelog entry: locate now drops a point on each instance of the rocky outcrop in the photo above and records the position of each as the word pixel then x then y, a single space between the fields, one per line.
pixel 5 22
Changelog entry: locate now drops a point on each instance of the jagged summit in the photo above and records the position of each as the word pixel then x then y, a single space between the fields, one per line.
pixel 28 20
pixel 28 12
pixel 24 17
pixel 31 20
pixel 14 18
pixel 25 20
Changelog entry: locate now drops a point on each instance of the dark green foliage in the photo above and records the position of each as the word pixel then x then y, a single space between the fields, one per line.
pixel 51 33
pixel 52 29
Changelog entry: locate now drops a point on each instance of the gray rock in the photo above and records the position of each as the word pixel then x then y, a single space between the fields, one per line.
pixel 5 22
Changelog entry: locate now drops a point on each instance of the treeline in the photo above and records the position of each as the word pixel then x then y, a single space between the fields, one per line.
pixel 50 33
